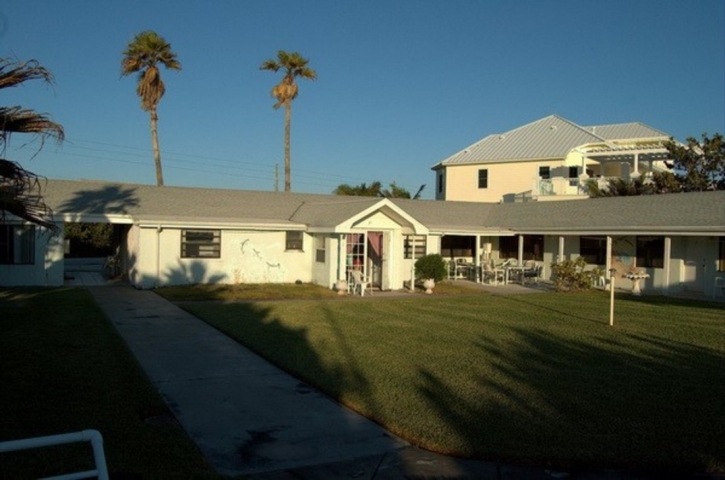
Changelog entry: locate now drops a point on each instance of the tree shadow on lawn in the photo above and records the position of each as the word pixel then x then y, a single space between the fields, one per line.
pixel 631 403
pixel 621 399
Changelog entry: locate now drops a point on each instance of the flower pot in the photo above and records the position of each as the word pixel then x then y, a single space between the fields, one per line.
pixel 341 287
pixel 429 284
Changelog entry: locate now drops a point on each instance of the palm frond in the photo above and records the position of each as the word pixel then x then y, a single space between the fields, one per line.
pixel 20 120
pixel 20 196
pixel 13 73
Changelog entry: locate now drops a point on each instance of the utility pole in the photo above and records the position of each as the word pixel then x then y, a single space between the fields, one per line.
pixel 276 177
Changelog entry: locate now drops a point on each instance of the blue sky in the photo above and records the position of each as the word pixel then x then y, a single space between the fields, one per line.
pixel 401 84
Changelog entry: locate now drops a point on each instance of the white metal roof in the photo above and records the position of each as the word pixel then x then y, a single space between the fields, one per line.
pixel 551 137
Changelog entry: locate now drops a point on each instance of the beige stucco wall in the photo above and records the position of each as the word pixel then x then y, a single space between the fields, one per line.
pixel 461 181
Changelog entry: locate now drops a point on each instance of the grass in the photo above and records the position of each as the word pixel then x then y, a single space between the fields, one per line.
pixel 65 369
pixel 539 378
pixel 272 291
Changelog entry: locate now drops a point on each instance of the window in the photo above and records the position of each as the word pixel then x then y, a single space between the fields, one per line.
pixel 440 183
pixel 594 250
pixel 534 247
pixel 420 246
pixel 508 247
pixel 17 244
pixel 573 176
pixel 544 173
pixel 721 254
pixel 320 248
pixel 457 246
pixel 293 240
pixel 650 252
pixel 483 178
pixel 201 243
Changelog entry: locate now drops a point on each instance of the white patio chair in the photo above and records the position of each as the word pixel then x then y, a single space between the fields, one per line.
pixel 360 283
pixel 492 275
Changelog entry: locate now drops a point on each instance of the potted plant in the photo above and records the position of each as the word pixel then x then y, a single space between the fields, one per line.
pixel 429 269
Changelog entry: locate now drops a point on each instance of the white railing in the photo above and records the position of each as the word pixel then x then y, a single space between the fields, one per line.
pixel 92 436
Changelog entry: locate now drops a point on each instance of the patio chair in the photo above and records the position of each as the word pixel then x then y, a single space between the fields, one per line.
pixel 360 283
pixel 531 273
pixel 492 275
pixel 719 287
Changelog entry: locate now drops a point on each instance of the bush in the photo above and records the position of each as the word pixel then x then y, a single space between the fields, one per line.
pixel 431 266
pixel 570 275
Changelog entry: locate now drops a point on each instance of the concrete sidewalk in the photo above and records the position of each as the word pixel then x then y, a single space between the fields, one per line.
pixel 250 418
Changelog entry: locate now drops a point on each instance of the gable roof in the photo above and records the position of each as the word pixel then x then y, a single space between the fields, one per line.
pixel 551 137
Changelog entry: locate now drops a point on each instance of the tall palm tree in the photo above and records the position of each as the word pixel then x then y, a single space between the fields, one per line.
pixel 20 189
pixel 143 55
pixel 294 65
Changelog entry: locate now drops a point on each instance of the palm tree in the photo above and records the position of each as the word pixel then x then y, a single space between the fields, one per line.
pixel 362 190
pixel 294 65
pixel 143 55
pixel 20 189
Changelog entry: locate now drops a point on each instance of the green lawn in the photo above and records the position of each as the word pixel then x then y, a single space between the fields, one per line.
pixel 65 369
pixel 537 378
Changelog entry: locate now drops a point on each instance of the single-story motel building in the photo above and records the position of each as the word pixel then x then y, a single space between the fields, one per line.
pixel 178 235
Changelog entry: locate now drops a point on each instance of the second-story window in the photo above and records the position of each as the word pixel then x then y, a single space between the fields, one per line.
pixel 544 173
pixel 483 178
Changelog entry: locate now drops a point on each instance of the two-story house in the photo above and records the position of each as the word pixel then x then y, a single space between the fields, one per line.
pixel 549 159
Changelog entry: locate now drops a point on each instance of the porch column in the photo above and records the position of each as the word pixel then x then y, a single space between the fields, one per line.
pixel 477 257
pixel 560 253
pixel 666 265
pixel 608 266
pixel 521 249
pixel 412 263
pixel 636 165
pixel 341 258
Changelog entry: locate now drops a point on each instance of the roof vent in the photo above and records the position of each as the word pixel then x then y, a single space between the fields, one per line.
pixel 501 137
pixel 553 127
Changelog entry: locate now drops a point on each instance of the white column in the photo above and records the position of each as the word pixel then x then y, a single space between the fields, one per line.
pixel 560 254
pixel 521 249
pixel 666 265
pixel 412 263
pixel 477 257
pixel 636 165
pixel 608 274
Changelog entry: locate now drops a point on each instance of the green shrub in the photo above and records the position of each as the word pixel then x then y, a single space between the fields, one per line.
pixel 431 266
pixel 571 276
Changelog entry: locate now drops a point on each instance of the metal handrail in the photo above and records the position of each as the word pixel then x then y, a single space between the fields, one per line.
pixel 93 436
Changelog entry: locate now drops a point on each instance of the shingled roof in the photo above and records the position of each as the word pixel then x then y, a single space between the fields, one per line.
pixel 683 213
